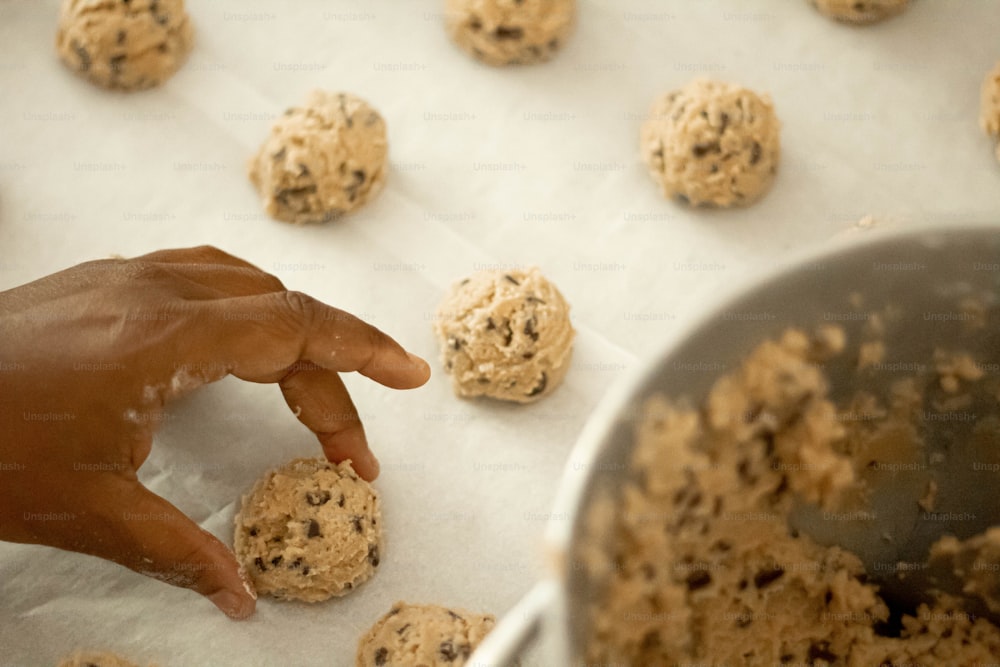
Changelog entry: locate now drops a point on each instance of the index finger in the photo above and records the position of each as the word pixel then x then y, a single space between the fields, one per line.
pixel 261 338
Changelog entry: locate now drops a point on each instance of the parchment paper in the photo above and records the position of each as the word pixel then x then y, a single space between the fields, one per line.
pixel 490 167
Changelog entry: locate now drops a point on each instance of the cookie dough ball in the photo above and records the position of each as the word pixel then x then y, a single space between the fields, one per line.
pixel 321 159
pixel 510 32
pixel 989 112
pixel 712 144
pixel 505 334
pixel 94 659
pixel 309 530
pixel 124 45
pixel 865 11
pixel 412 635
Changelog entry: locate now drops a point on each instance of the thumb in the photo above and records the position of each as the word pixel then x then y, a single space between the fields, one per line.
pixel 158 540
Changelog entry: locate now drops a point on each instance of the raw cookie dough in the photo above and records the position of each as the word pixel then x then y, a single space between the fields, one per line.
pixel 412 635
pixel 865 11
pixel 505 334
pixel 124 45
pixel 695 562
pixel 309 530
pixel 510 32
pixel 712 144
pixel 321 159
pixel 989 110
pixel 94 659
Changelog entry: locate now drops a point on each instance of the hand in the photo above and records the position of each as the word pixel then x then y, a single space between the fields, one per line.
pixel 90 355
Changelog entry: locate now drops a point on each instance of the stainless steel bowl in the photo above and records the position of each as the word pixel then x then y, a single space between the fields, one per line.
pixel 923 275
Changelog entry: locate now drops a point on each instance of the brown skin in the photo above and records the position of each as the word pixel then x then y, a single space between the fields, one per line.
pixel 89 357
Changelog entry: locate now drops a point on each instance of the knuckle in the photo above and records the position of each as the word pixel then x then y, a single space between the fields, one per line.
pixel 301 306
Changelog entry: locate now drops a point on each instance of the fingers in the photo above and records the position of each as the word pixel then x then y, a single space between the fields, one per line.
pixel 320 400
pixel 149 535
pixel 262 336
pixel 204 254
pixel 217 273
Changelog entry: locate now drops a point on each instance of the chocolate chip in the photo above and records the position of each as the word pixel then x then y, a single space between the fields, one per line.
pixel 381 656
pixel 454 343
pixel 313 528
pixel 529 329
pixel 163 48
pixel 359 175
pixel 510 278
pixel 305 570
pixel 317 498
pixel 475 24
pixel 553 44
pixel 540 387
pixel 116 63
pixel 253 531
pixel 528 355
pixel 82 54
pixel 276 561
pixel 821 651
pixel 373 557
pixel 508 333
pixel 121 37
pixel 755 153
pixel 503 32
pixel 402 629
pixel 724 118
pixel 743 470
pixel 295 564
pixel 454 615
pixel 343 109
pixel 340 501
pixel 448 652
pixel 356 520
pixel 280 155
pixel 767 577
pixel 303 170
pixel 490 324
pixel 701 150
pixel 531 298
pixel 259 562
pixel 698 579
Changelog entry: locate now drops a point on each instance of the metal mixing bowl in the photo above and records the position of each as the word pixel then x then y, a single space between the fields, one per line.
pixel 923 276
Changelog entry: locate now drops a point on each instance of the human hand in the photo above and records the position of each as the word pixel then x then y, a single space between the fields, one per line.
pixel 89 357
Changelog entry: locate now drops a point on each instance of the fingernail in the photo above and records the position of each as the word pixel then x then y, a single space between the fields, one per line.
pixel 418 362
pixel 373 465
pixel 233 605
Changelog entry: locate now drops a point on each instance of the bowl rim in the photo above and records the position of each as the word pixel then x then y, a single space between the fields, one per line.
pixel 578 474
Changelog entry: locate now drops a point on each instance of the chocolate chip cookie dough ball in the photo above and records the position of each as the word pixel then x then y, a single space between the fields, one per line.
pixel 425 635
pixel 989 111
pixel 510 32
pixel 506 335
pixel 95 659
pixel 860 12
pixel 309 530
pixel 124 45
pixel 321 159
pixel 712 144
